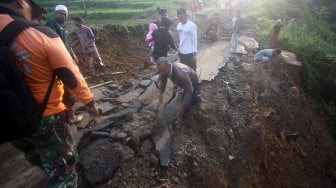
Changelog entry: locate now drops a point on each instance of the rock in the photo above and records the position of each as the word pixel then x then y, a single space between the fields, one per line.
pixel 144 130
pixel 112 86
pixel 127 154
pixel 268 112
pixel 101 126
pixel 99 161
pixel 162 140
pixel 146 147
pixel 292 136
pixel 218 140
pixel 136 105
pixel 128 97
pixel 231 157
pixel 153 161
pixel 106 108
pixel 303 153
pixel 134 143
pixel 290 58
pixel 117 134
pixel 98 94
pixel 100 134
pixel 140 90
pixel 124 114
pixel 125 85
pixel 249 43
pixel 145 83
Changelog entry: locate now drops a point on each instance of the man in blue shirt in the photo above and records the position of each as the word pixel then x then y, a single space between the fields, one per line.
pixel 266 55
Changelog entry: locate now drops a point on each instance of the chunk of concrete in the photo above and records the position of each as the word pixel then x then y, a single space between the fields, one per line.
pixel 144 83
pixel 249 43
pixel 98 94
pixel 128 97
pixel 106 107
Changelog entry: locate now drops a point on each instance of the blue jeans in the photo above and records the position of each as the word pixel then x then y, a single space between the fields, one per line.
pixel 234 43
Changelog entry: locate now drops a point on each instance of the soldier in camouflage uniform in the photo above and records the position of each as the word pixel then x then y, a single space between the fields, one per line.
pixel 52 148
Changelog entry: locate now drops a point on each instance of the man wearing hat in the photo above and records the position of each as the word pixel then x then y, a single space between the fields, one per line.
pixel 38 14
pixel 57 24
pixel 42 53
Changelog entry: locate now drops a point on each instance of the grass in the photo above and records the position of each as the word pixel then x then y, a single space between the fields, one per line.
pixel 100 12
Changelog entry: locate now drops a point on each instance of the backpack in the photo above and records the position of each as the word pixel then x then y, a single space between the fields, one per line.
pixel 20 114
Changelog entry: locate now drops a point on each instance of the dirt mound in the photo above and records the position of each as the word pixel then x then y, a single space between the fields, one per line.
pixel 259 130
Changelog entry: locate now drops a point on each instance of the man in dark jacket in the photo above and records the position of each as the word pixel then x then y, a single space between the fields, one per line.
pixel 184 77
pixel 163 40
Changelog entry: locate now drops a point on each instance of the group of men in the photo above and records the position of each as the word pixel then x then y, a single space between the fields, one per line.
pixel 86 39
pixel 48 50
pixel 182 74
pixel 265 55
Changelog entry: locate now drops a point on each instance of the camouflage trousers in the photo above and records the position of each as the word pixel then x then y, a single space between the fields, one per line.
pixel 52 148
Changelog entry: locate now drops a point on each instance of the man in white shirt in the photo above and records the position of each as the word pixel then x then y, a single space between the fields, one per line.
pixel 188 39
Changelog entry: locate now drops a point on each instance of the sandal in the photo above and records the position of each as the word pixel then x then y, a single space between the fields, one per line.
pixel 77 119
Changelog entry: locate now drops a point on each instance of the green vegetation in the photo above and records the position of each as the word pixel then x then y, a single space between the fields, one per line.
pixel 309 32
pixel 122 12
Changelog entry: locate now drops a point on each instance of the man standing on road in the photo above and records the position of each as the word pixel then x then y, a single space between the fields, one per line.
pixel 57 24
pixel 86 39
pixel 188 39
pixel 42 53
pixel 236 22
pixel 184 77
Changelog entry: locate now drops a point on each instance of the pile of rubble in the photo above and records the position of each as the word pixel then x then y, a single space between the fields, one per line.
pixel 129 114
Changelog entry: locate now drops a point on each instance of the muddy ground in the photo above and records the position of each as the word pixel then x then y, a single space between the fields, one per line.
pixel 255 128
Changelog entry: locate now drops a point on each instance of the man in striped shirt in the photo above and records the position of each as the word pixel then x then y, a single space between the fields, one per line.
pixel 86 39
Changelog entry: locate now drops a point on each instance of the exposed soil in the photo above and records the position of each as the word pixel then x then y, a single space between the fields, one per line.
pixel 125 56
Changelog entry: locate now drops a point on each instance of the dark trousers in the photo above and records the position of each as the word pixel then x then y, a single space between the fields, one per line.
pixel 195 99
pixel 188 60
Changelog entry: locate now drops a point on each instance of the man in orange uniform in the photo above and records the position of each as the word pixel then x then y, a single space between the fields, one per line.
pixel 40 52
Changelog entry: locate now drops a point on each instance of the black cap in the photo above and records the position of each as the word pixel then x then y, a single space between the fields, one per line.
pixel 37 10
pixel 162 11
pixel 36 6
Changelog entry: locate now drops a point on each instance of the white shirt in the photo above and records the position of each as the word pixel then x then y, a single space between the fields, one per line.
pixel 233 21
pixel 188 37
